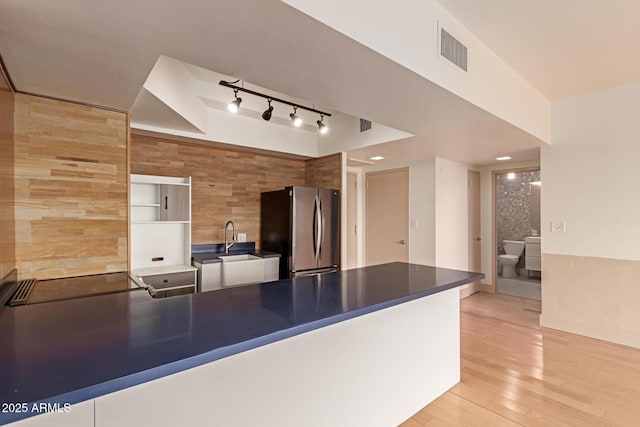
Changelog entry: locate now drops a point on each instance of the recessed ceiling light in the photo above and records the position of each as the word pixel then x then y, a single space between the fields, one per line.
pixel 376 158
pixel 503 158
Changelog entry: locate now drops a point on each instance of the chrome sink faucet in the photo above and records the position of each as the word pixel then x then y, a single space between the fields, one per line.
pixel 234 236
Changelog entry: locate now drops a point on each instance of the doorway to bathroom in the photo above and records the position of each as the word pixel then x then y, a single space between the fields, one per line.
pixel 517 239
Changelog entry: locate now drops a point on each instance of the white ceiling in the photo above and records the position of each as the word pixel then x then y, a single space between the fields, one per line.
pixel 562 47
pixel 101 53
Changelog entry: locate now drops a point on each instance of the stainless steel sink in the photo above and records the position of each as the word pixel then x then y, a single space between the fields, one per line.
pixel 242 269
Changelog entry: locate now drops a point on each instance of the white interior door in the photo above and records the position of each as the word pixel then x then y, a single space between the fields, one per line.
pixel 387 213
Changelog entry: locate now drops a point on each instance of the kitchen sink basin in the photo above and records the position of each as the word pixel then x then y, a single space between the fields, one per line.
pixel 242 269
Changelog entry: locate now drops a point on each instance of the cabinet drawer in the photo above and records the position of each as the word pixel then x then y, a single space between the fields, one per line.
pixel 174 292
pixel 532 263
pixel 532 249
pixel 170 280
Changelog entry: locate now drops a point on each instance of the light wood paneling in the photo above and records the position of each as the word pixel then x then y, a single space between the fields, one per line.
pixel 516 373
pixel 7 218
pixel 324 172
pixel 225 184
pixel 592 296
pixel 4 77
pixel 71 188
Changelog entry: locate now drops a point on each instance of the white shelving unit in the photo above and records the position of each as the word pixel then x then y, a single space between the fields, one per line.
pixel 161 231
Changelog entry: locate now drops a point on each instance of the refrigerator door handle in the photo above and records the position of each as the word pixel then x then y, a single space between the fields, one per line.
pixel 321 228
pixel 315 228
pixel 318 228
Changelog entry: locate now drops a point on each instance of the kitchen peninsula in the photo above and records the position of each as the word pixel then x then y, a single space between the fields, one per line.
pixel 367 346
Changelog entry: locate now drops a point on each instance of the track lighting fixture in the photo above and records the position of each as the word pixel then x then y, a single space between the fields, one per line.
pixel 266 115
pixel 321 126
pixel 234 105
pixel 297 121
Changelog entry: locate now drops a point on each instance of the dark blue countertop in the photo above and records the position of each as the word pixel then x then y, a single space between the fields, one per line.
pixel 206 254
pixel 73 350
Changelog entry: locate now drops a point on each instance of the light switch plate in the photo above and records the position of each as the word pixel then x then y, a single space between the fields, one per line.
pixel 242 237
pixel 558 226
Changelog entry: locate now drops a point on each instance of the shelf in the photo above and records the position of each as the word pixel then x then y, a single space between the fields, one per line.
pixel 145 205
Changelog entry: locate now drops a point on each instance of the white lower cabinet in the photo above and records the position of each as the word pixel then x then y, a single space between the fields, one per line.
pixel 532 254
pixel 210 274
pixel 271 269
pixel 168 281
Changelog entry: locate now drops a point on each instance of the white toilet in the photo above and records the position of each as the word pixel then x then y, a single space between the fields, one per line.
pixel 513 249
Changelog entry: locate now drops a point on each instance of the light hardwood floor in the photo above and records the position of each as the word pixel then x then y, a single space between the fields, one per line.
pixel 514 372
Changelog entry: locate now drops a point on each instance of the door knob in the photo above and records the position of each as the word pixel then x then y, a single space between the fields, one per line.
pixel 401 242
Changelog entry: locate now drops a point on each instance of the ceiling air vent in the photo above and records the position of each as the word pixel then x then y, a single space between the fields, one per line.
pixel 453 50
pixel 365 125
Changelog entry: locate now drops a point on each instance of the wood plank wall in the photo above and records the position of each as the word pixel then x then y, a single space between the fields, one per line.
pixel 325 172
pixel 7 218
pixel 71 188
pixel 226 184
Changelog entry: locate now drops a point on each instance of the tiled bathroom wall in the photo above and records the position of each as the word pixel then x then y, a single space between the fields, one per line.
pixel 518 206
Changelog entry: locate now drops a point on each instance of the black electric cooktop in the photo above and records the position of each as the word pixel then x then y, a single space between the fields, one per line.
pixel 39 291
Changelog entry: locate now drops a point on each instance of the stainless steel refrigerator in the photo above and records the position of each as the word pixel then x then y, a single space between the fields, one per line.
pixel 303 225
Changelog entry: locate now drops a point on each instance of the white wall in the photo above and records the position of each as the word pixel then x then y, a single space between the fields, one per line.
pixel 487 203
pixel 343 210
pixel 360 215
pixel 171 83
pixel 591 175
pixel 422 213
pixel 406 31
pixel 438 201
pixel 451 213
pixel 590 179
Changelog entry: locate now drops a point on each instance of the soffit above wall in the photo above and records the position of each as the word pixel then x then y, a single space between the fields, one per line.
pixel 98 54
pixel 564 48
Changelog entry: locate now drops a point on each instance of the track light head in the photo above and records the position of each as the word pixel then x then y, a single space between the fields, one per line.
pixel 267 113
pixel 234 105
pixel 297 121
pixel 321 126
